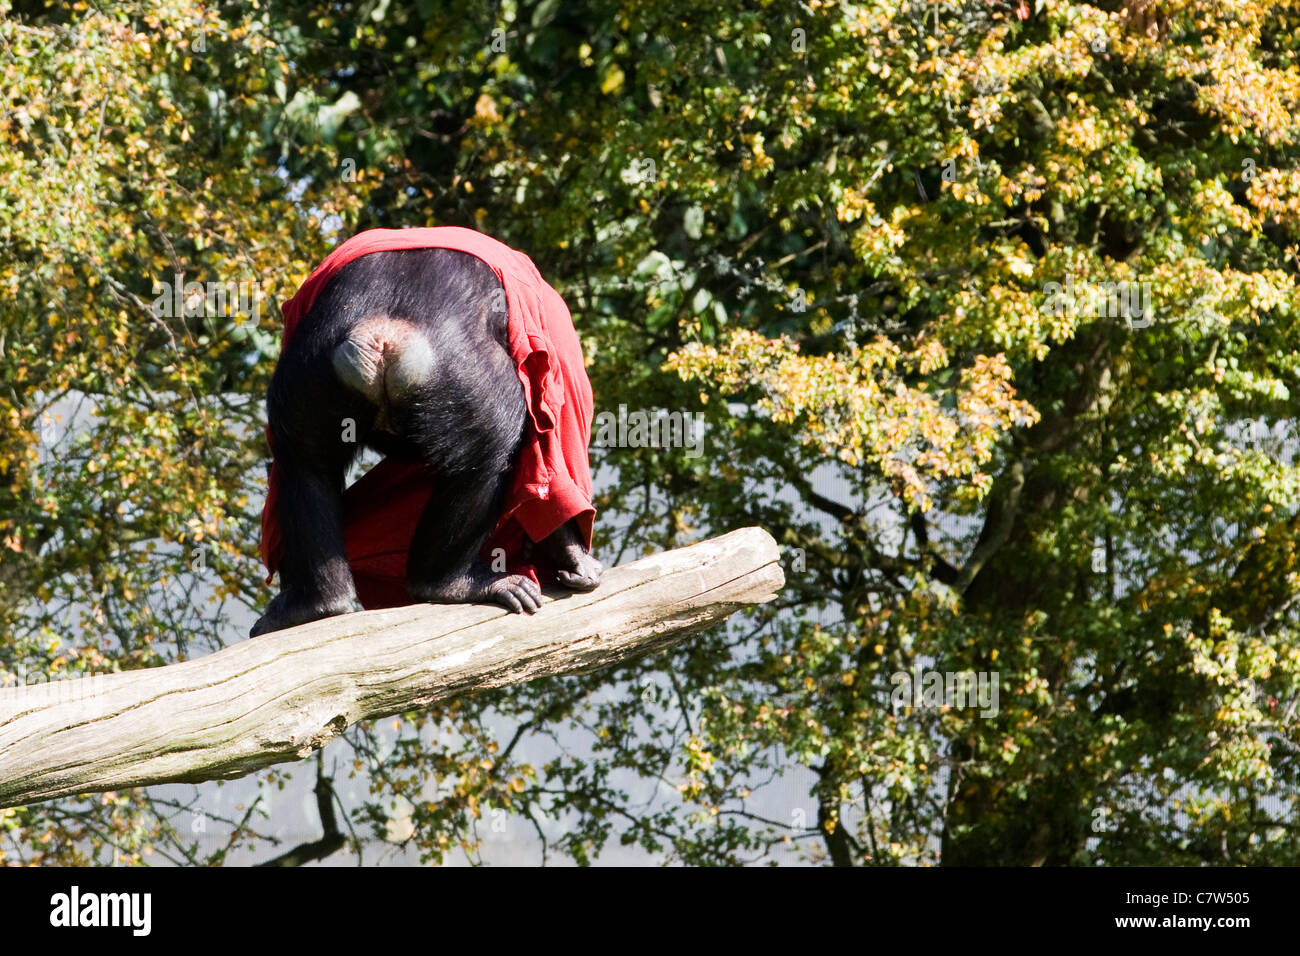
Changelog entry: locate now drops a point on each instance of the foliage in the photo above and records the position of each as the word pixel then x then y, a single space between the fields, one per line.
pixel 989 307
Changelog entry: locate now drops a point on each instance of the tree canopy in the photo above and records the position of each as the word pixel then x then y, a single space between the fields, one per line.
pixel 989 309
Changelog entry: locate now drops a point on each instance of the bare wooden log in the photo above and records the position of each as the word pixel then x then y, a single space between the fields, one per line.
pixel 285 695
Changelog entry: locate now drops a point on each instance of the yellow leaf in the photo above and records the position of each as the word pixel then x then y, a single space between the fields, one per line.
pixel 613 79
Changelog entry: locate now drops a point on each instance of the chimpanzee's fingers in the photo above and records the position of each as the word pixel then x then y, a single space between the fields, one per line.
pixel 577 582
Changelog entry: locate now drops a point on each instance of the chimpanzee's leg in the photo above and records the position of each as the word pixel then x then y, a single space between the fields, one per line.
pixel 444 566
pixel 315 580
pixel 305 410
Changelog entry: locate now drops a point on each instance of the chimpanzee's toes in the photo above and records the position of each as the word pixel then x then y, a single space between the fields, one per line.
pixel 284 611
pixel 274 619
pixel 516 593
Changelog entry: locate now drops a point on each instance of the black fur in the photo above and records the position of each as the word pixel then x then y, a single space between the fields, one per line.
pixel 466 419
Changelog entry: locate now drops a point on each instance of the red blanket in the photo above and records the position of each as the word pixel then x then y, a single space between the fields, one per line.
pixel 552 479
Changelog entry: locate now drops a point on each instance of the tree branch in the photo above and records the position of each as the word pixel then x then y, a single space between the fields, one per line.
pixel 284 696
pixel 331 842
pixel 1001 516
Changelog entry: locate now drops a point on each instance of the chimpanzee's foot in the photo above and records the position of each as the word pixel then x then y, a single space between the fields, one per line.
pixel 284 611
pixel 514 592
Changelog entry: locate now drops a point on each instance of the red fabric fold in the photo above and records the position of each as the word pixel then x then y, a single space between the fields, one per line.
pixel 551 482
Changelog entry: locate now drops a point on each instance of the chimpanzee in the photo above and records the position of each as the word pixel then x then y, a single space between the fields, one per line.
pixel 412 346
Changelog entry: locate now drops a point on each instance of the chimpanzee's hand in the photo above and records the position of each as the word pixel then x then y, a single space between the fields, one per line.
pixel 583 573
pixel 575 568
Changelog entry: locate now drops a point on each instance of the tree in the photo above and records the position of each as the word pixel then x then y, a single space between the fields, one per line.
pixel 989 308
